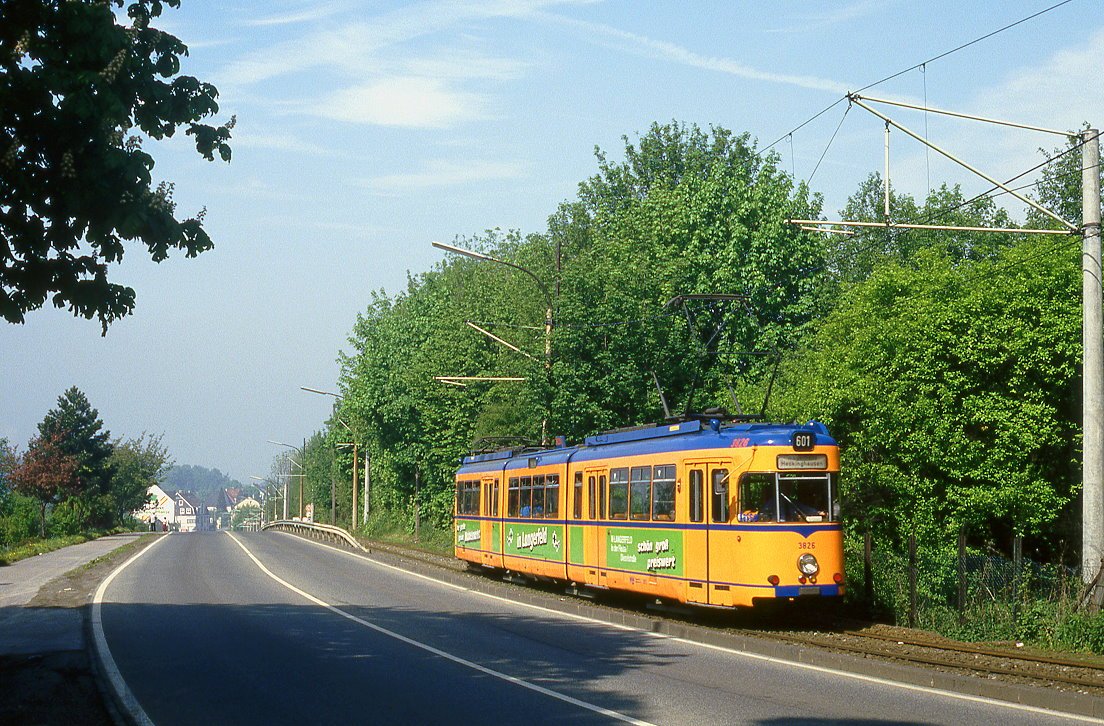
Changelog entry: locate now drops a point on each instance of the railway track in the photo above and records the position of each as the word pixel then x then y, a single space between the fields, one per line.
pixel 858 638
pixel 952 655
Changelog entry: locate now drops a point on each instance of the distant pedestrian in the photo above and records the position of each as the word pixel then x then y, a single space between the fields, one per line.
pixel 164 526
pixel 153 524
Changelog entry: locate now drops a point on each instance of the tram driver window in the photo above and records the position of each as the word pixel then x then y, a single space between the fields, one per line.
pixel 804 497
pixel 719 505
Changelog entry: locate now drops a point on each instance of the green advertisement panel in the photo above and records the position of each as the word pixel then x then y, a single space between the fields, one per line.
pixel 496 537
pixel 467 533
pixel 644 550
pixel 535 540
pixel 575 553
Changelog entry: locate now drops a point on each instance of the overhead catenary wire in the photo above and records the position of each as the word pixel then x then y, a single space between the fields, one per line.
pixel 922 64
pixel 829 144
pixel 937 215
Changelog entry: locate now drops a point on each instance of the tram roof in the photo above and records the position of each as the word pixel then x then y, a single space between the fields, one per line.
pixel 684 436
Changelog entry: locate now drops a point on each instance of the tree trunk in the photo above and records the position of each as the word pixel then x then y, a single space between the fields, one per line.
pixel 42 520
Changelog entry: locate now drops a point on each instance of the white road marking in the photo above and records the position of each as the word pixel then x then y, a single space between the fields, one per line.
pixel 754 656
pixel 107 663
pixel 437 651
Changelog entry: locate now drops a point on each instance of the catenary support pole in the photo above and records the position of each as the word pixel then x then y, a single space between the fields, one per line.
pixel 367 485
pixel 356 483
pixel 1092 506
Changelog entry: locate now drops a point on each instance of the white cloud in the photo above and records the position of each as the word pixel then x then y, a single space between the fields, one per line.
pixel 305 16
pixel 354 48
pixel 1055 93
pixel 441 173
pixel 402 101
pixel 664 50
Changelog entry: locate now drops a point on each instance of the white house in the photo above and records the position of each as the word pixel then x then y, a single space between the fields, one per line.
pixel 191 515
pixel 161 507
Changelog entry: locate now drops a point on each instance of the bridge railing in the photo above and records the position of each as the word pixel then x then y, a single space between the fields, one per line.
pixel 314 530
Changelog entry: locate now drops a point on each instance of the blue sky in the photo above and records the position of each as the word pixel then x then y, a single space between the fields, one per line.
pixel 368 129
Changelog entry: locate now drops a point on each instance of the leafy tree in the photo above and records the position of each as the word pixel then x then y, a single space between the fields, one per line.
pixel 47 473
pixel 7 462
pixel 1059 186
pixel 19 515
pixel 243 515
pixel 79 91
pixel 853 257
pixel 687 211
pixel 951 388
pixel 78 431
pixel 137 464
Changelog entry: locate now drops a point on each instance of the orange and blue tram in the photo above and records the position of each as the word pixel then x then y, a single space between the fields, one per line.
pixel 699 512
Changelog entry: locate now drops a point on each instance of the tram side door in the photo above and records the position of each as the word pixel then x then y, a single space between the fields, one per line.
pixel 709 505
pixel 490 536
pixel 594 534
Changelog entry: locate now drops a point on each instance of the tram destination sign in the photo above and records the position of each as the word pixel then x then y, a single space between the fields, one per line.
pixel 802 461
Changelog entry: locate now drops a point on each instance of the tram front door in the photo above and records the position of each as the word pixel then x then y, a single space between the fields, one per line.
pixel 710 503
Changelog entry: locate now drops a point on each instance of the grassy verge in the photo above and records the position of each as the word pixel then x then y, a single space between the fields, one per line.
pixel 389 529
pixel 42 546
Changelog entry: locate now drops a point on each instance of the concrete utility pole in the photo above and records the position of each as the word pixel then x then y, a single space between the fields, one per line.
pixel 356 483
pixel 1092 487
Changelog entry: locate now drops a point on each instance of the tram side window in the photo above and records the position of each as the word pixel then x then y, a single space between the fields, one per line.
pixel 719 505
pixel 467 497
pixel 513 506
pixel 495 489
pixel 640 493
pixel 592 496
pixel 663 493
pixel 538 496
pixel 552 496
pixel 577 496
pixel 619 494
pixel 602 497
pixel 697 495
pixel 526 497
pixel 757 503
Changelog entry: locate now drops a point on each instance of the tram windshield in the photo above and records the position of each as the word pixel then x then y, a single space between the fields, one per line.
pixel 787 497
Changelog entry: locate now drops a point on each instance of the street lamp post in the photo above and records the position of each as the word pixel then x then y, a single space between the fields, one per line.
pixel 548 320
pixel 269 484
pixel 302 475
pixel 356 455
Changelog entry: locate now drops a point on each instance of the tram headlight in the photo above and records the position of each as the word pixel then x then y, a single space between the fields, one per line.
pixel 808 565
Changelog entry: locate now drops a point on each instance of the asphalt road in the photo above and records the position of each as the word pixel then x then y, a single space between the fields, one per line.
pixel 201 630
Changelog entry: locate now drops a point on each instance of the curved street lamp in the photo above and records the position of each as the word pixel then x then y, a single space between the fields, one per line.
pixel 548 321
pixel 269 484
pixel 356 454
pixel 302 474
